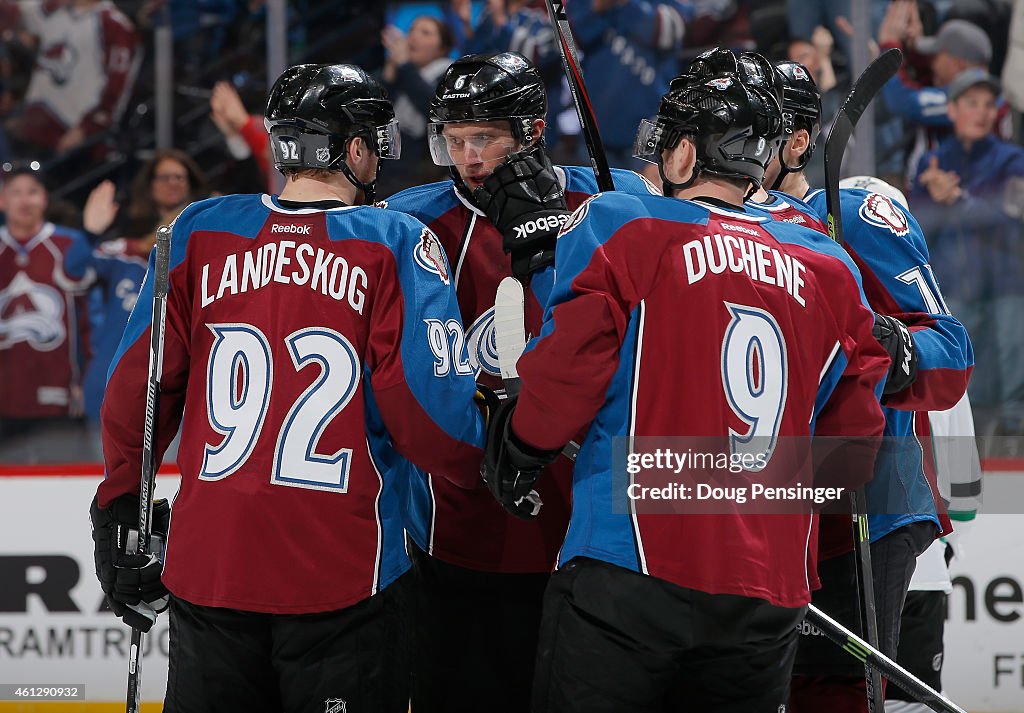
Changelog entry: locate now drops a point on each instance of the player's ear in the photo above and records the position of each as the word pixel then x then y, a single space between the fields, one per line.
pixel 538 130
pixel 356 151
pixel 679 161
pixel 799 143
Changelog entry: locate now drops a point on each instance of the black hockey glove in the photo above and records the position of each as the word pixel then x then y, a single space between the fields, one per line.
pixel 896 339
pixel 510 467
pixel 131 582
pixel 526 203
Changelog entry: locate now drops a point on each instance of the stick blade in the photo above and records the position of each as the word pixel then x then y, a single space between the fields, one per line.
pixel 509 326
pixel 867 86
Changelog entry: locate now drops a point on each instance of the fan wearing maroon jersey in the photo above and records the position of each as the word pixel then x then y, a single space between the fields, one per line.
pixel 685 315
pixel 470 557
pixel 42 315
pixel 931 364
pixel 301 363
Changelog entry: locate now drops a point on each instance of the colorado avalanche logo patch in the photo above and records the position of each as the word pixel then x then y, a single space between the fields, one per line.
pixel 482 346
pixel 577 216
pixel 719 83
pixel 800 73
pixel 430 256
pixel 880 211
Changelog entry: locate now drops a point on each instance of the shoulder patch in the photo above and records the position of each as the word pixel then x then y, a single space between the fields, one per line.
pixel 577 216
pixel 430 255
pixel 879 210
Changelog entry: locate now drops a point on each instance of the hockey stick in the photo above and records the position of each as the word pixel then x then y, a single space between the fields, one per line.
pixel 867 86
pixel 156 366
pixel 509 331
pixel 580 98
pixel 510 341
pixel 872 657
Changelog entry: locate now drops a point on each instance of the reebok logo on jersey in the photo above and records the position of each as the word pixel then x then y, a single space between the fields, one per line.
pixel 297 229
pixel 799 219
pixel 550 222
pixel 740 229
pixel 880 211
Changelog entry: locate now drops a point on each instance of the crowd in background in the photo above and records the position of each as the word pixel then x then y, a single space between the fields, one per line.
pixel 84 188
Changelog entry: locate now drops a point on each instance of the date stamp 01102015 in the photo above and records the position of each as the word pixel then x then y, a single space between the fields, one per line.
pixel 42 692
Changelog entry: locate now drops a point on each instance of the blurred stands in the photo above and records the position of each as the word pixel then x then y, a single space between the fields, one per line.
pixel 90 113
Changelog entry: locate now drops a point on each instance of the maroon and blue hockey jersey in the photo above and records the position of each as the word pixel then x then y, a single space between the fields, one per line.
pixel 672 318
pixel 304 347
pixel 43 325
pixel 469 528
pixel 887 245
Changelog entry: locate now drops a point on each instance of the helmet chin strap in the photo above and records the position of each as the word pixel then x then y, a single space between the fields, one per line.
pixel 369 188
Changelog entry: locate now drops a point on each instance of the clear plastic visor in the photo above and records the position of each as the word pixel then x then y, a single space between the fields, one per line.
pixel 648 138
pixel 464 145
pixel 389 140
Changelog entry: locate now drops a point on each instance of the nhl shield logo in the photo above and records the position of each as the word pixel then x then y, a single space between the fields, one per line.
pixel 322 154
pixel 879 210
pixel 334 705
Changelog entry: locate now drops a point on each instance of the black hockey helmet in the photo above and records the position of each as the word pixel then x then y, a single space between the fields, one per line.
pixel 801 109
pixel 314 110
pixel 735 126
pixel 751 68
pixel 487 87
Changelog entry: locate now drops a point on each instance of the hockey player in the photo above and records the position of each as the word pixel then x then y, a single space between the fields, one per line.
pixel 299 356
pixel 682 316
pixel 469 555
pixel 931 364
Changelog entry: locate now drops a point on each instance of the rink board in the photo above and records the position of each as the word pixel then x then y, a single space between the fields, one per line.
pixel 53 629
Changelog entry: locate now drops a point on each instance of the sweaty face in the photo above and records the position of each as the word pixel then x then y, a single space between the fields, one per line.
pixel 24 203
pixel 974 114
pixel 477 148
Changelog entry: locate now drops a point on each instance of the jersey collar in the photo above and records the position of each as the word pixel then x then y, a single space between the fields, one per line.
pixel 272 203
